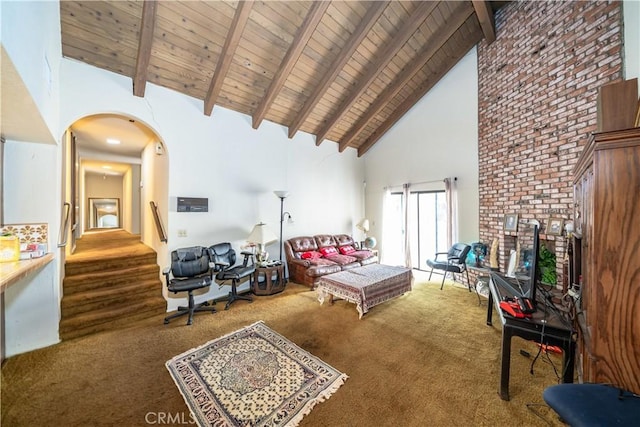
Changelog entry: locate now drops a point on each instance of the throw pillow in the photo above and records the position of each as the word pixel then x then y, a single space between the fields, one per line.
pixel 346 250
pixel 328 251
pixel 311 255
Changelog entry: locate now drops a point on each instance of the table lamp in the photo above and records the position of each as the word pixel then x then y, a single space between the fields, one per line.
pixel 262 235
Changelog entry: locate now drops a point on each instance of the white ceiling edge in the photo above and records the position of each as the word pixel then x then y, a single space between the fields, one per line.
pixel 20 119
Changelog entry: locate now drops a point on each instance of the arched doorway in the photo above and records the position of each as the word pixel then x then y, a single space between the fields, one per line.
pixel 118 158
pixel 116 165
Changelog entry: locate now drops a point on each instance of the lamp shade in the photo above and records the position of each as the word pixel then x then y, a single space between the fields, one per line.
pixel 363 225
pixel 281 194
pixel 262 234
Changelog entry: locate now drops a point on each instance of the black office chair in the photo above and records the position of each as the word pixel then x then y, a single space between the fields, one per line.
pixel 223 258
pixel 190 270
pixel 455 262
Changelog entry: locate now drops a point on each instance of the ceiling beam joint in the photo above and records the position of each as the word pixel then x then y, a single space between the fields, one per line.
pixel 409 102
pixel 485 18
pixel 458 18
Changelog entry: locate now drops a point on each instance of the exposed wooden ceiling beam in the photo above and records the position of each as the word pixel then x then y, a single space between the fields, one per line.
pixel 147 25
pixel 309 25
pixel 240 18
pixel 485 17
pixel 417 18
pixel 373 13
pixel 408 103
pixel 453 24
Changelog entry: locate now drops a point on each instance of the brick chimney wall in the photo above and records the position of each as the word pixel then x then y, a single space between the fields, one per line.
pixel 538 86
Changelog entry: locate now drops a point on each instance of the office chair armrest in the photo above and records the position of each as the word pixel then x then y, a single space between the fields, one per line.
pixel 221 264
pixel 166 271
pixel 440 253
pixel 247 255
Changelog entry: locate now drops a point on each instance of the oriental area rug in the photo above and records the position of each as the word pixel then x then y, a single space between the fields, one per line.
pixel 252 377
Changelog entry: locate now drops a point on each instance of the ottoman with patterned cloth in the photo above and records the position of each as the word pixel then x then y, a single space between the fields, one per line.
pixel 365 286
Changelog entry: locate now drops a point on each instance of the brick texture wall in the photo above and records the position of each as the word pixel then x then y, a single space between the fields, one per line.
pixel 538 86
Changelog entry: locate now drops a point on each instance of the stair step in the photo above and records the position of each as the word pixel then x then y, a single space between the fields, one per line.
pixel 110 318
pixel 84 266
pixel 110 278
pixel 80 302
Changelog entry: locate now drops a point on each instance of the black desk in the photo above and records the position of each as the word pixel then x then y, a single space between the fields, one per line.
pixel 545 327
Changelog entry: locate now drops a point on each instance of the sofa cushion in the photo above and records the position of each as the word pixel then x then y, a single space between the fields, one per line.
pixel 325 240
pixel 321 266
pixel 362 254
pixel 346 250
pixel 310 255
pixel 342 259
pixel 328 251
pixel 343 239
pixel 303 244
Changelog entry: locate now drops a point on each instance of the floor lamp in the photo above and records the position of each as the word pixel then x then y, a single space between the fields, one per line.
pixel 282 195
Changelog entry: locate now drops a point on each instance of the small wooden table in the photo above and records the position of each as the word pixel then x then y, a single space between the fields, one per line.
pixel 268 280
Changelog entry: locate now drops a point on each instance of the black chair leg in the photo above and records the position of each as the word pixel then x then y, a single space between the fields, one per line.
pixel 190 309
pixel 234 296
pixel 430 273
pixel 444 276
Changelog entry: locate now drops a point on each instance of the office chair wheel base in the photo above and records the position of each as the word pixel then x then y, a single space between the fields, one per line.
pixel 166 321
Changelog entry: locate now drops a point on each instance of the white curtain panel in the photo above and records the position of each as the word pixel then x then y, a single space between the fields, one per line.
pixel 406 193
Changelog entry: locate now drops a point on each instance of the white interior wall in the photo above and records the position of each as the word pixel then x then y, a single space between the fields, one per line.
pixel 436 139
pixel 31 196
pixel 222 158
pixel 125 203
pixel 133 199
pixel 30 34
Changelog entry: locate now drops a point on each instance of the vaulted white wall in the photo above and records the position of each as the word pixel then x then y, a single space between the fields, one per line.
pixel 222 158
pixel 436 139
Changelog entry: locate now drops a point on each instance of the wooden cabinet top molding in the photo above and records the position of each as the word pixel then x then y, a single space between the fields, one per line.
pixel 605 141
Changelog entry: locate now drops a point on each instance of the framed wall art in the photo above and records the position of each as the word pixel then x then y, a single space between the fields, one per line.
pixel 511 222
pixel 554 226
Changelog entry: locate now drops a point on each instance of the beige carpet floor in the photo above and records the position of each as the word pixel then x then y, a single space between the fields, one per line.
pixel 426 358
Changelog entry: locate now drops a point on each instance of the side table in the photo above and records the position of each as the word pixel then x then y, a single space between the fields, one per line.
pixel 268 280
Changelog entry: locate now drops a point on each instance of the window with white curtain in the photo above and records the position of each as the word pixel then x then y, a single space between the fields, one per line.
pixel 428 225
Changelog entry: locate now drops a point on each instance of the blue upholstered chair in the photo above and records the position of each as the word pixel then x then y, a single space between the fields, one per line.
pixel 581 405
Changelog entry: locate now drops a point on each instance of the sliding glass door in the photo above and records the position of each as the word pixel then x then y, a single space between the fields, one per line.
pixel 428 230
pixel 427 227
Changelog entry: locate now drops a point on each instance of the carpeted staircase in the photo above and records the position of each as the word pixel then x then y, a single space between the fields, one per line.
pixel 110 282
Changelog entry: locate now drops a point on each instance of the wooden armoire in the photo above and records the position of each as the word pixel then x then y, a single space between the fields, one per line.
pixel 607 240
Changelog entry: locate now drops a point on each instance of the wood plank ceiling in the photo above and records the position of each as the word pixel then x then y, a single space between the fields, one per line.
pixel 345 71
